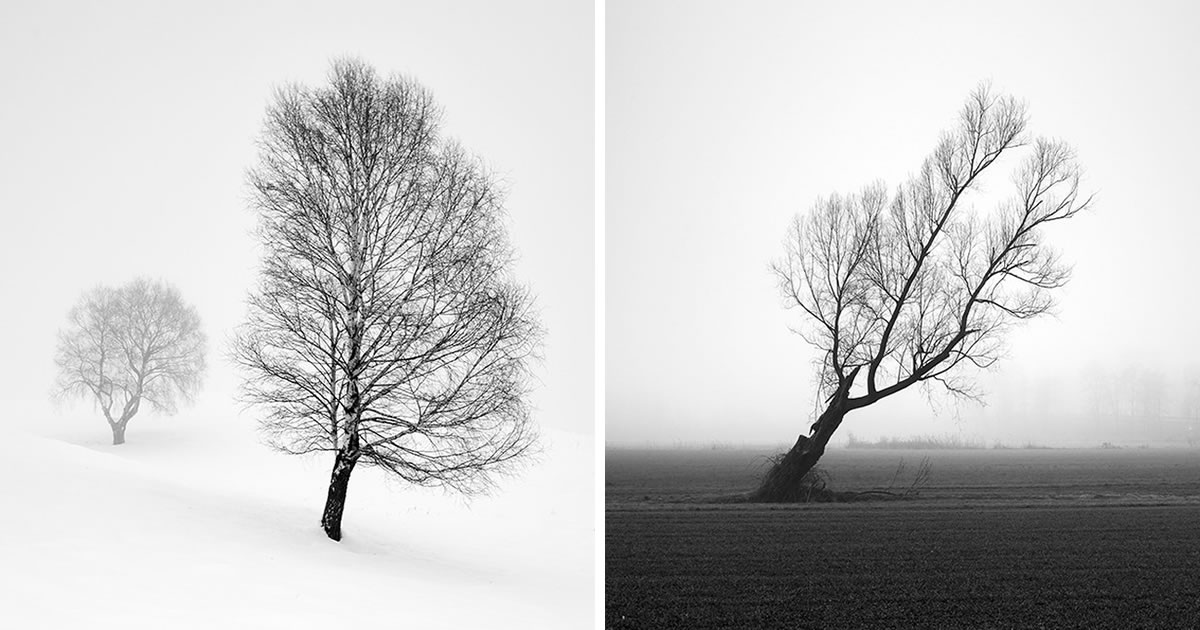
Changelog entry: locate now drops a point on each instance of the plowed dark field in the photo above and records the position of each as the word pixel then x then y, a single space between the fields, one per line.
pixel 995 539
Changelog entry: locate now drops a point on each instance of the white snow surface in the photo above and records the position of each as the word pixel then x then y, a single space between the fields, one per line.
pixel 194 524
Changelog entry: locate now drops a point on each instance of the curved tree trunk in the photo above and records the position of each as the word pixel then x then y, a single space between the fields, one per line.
pixel 118 431
pixel 784 481
pixel 335 501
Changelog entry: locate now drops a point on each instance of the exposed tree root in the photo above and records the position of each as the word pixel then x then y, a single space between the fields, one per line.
pixel 784 483
pixel 789 481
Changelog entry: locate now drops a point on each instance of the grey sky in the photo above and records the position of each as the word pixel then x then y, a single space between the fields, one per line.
pixel 129 126
pixel 725 119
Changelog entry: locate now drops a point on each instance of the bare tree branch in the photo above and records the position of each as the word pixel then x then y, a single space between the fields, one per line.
pixel 139 342
pixel 911 286
pixel 386 326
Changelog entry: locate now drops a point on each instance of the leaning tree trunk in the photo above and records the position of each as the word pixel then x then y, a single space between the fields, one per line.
pixel 335 501
pixel 784 481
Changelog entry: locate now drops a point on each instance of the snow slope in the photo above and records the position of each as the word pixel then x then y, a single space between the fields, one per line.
pixel 193 524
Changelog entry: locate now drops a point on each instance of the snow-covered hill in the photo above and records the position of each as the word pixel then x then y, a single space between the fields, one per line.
pixel 193 524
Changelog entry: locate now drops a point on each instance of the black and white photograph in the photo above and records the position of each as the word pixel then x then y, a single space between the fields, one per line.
pixel 299 318
pixel 900 315
pixel 622 314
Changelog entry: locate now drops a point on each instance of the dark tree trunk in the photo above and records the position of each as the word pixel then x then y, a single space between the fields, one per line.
pixel 335 501
pixel 784 482
pixel 118 430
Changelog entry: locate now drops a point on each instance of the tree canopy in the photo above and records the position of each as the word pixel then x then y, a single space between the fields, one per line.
pixel 387 327
pixel 131 344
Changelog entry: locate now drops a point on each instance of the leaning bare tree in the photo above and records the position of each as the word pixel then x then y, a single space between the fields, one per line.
pixel 386 327
pixel 128 345
pixel 912 286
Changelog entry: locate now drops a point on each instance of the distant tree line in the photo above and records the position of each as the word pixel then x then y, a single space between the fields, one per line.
pixel 1138 391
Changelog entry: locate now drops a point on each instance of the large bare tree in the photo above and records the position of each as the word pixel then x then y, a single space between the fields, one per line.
pixel 913 286
pixel 386 328
pixel 128 345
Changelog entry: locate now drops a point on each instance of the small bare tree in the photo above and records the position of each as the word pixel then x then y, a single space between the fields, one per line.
pixel 386 328
pixel 912 286
pixel 128 345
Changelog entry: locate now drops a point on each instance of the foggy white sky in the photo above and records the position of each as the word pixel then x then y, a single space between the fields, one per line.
pixel 724 119
pixel 128 128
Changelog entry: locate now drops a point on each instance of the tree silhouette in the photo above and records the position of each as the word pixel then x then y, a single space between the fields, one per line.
pixel 128 345
pixel 912 286
pixel 386 327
